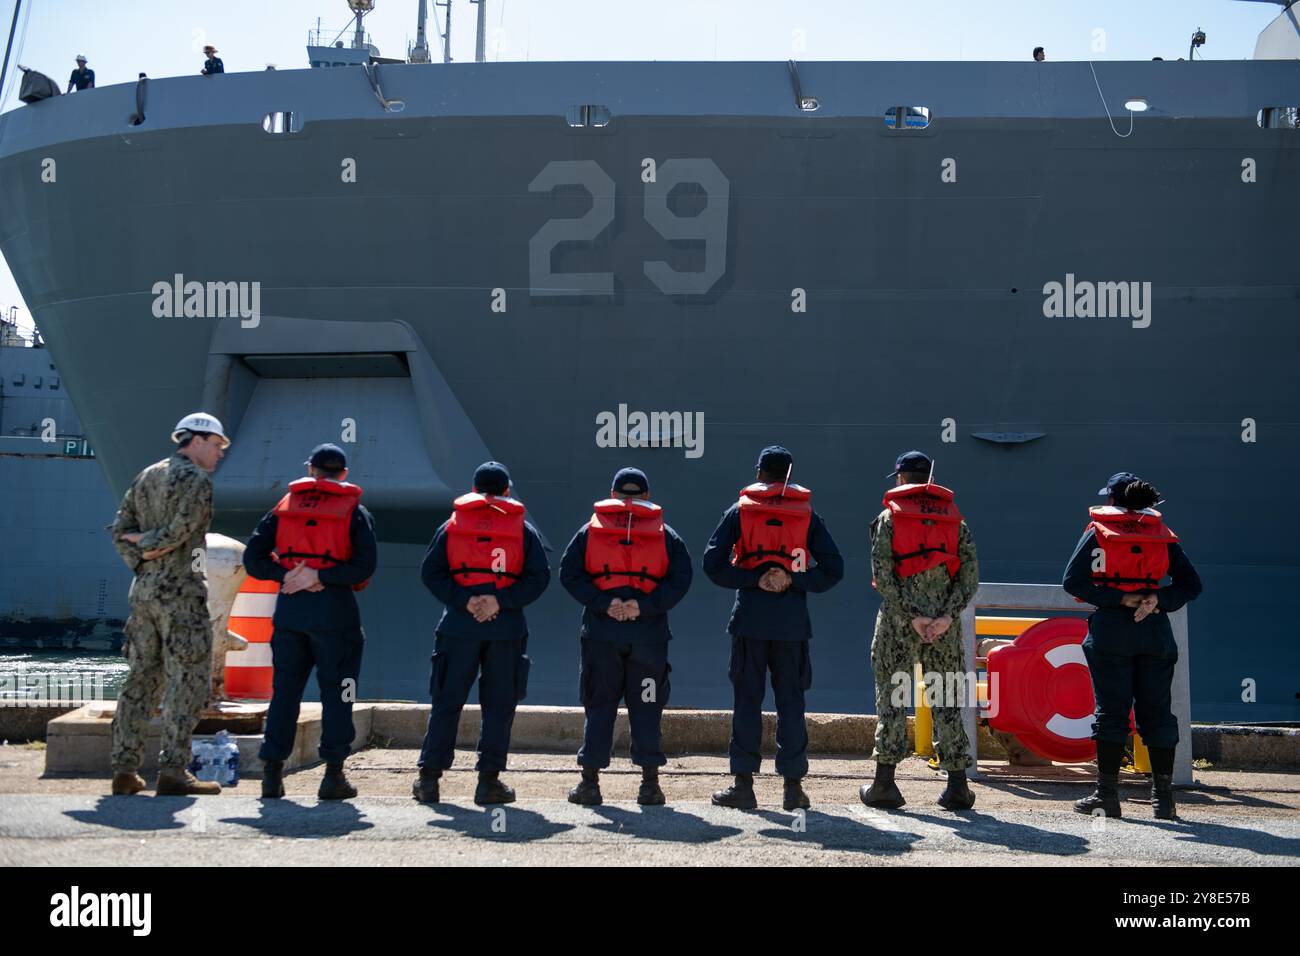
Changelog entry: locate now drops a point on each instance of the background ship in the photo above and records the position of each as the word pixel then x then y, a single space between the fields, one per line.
pixel 525 184
pixel 62 586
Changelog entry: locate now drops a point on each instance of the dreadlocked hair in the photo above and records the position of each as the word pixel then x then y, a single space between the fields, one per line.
pixel 1138 495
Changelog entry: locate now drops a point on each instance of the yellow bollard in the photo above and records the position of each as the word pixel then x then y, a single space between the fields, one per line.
pixel 1141 759
pixel 923 726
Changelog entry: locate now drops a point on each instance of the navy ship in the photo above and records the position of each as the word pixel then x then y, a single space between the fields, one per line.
pixel 1040 273
pixel 62 585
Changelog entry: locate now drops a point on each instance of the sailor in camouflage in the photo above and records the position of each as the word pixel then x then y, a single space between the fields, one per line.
pixel 923 591
pixel 159 532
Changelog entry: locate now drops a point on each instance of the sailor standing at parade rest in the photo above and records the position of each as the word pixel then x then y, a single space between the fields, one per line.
pixel 924 566
pixel 774 550
pixel 1118 566
pixel 627 569
pixel 485 564
pixel 318 542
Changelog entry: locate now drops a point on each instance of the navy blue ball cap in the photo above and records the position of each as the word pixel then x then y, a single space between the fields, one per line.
pixel 911 461
pixel 327 456
pixel 491 478
pixel 631 481
pixel 1117 482
pixel 775 460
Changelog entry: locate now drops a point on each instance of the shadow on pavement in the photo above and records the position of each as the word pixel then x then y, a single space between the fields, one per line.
pixel 832 832
pixel 979 827
pixel 506 823
pixel 137 812
pixel 286 818
pixel 661 823
pixel 1237 838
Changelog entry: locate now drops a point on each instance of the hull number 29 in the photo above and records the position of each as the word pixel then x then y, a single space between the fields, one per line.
pixel 709 226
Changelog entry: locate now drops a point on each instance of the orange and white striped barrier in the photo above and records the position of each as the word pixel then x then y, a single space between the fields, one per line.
pixel 248 672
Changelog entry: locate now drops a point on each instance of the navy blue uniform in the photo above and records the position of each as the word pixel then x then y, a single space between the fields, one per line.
pixel 1132 662
pixel 213 66
pixel 493 652
pixel 320 629
pixel 624 660
pixel 82 79
pixel 770 633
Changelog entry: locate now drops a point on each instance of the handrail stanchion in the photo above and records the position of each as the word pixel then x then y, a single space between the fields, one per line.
pixel 1182 698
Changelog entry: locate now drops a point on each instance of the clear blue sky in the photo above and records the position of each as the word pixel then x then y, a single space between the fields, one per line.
pixel 165 37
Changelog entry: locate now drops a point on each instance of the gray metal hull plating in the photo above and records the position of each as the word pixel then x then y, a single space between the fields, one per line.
pixel 924 303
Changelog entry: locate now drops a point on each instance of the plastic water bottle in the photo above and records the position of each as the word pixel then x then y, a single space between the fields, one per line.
pixel 201 758
pixel 225 757
pixel 215 758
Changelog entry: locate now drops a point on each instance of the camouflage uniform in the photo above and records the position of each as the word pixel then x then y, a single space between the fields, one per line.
pixel 168 637
pixel 896 645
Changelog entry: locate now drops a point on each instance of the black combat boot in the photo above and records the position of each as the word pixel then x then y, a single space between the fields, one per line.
pixel 738 796
pixel 794 797
pixel 273 780
pixel 1162 797
pixel 425 788
pixel 1105 798
pixel 650 795
pixel 1162 782
pixel 587 792
pixel 334 785
pixel 883 792
pixel 957 795
pixel 491 790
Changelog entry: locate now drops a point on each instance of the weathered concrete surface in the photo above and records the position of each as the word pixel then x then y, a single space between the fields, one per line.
pixel 1022 816
pixel 29 722
pixel 684 731
pixel 81 741
pixel 1258 748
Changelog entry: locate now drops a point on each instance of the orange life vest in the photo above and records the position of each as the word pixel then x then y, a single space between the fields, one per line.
pixel 774 520
pixel 1135 547
pixel 926 523
pixel 485 540
pixel 314 524
pixel 625 545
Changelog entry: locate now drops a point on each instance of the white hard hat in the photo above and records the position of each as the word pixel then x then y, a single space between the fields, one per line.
pixel 200 422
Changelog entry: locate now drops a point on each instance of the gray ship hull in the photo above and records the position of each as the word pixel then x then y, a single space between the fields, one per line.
pixel 924 308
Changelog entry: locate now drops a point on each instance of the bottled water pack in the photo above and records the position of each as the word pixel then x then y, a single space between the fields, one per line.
pixel 215 757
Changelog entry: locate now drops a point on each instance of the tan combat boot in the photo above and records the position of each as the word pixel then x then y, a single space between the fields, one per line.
pixel 179 782
pixel 127 783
